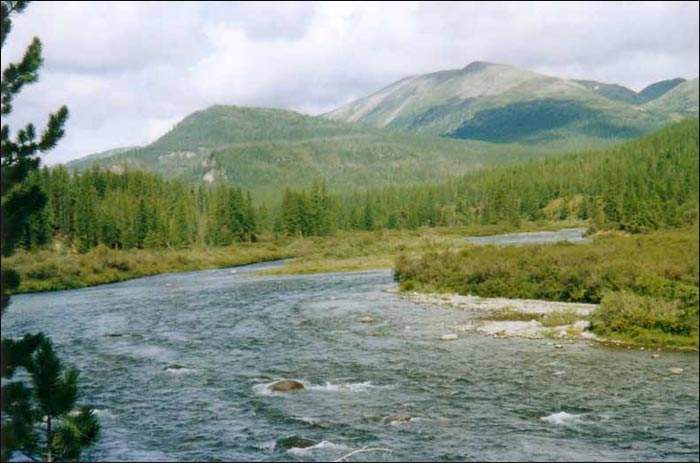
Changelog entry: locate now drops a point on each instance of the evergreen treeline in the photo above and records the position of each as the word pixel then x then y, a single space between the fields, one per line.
pixel 639 186
pixel 137 210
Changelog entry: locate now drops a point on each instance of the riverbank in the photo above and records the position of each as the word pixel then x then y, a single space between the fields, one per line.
pixel 524 318
pixel 530 319
pixel 60 268
pixel 646 285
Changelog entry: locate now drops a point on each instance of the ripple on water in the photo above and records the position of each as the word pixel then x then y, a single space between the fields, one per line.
pixel 346 387
pixel 364 386
pixel 240 332
pixel 323 445
pixel 562 418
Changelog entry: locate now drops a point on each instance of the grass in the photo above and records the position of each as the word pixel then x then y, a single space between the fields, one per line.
pixel 361 250
pixel 549 319
pixel 510 314
pixel 47 270
pixel 646 285
pixel 560 317
pixel 60 268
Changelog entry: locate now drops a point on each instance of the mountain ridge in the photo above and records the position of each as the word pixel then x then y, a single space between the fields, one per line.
pixel 265 149
pixel 441 102
pixel 415 130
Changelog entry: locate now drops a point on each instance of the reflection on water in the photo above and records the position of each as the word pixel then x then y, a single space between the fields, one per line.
pixel 179 366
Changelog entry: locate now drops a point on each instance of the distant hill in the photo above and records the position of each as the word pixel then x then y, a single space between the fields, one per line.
pixel 680 101
pixel 265 149
pixel 658 89
pixel 419 129
pixel 101 155
pixel 505 104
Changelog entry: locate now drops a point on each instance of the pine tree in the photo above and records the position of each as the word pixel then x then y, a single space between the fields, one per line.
pixel 21 407
pixel 55 392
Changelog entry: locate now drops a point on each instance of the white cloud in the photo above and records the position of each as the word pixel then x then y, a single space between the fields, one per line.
pixel 129 71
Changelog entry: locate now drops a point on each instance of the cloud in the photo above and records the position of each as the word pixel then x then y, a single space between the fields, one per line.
pixel 129 71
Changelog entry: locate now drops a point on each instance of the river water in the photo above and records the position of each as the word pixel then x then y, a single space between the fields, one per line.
pixel 573 235
pixel 233 332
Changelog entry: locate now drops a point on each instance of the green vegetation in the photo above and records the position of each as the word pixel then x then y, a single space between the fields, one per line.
pixel 559 318
pixel 645 185
pixel 136 210
pixel 38 422
pixel 648 320
pixel 549 319
pixel 48 270
pixel 109 225
pixel 637 186
pixel 539 120
pixel 60 267
pixel 65 431
pixel 658 89
pixel 501 103
pixel 642 185
pixel 659 266
pixel 264 150
pixel 682 100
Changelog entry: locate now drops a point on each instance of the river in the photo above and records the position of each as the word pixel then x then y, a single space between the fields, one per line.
pixel 572 235
pixel 232 332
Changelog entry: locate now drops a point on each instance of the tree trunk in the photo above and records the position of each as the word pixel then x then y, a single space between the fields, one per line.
pixel 49 457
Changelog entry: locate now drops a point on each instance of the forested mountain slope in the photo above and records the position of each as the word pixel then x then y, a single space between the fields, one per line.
pixel 266 149
pixel 503 104
pixel 637 186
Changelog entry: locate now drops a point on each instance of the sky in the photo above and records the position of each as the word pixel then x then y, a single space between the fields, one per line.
pixel 128 72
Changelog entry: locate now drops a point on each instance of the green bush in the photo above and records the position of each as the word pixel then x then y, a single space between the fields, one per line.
pixel 647 284
pixel 647 320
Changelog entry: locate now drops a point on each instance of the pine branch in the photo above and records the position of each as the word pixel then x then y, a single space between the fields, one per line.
pixel 15 76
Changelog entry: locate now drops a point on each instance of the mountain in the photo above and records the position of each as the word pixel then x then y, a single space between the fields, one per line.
pixel 265 149
pixel 101 155
pixel 658 89
pixel 505 104
pixel 681 101
pixel 420 129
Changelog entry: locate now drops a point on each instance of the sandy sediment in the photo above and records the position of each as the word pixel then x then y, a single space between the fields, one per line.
pixel 483 307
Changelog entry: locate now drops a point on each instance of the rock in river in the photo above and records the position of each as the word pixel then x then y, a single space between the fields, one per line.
pixel 676 370
pixel 294 442
pixel 448 337
pixel 366 319
pixel 286 385
pixel 174 366
pixel 399 419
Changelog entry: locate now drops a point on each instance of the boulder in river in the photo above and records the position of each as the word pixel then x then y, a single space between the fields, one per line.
pixel 399 419
pixel 294 442
pixel 367 319
pixel 676 370
pixel 174 366
pixel 286 385
pixel 448 337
